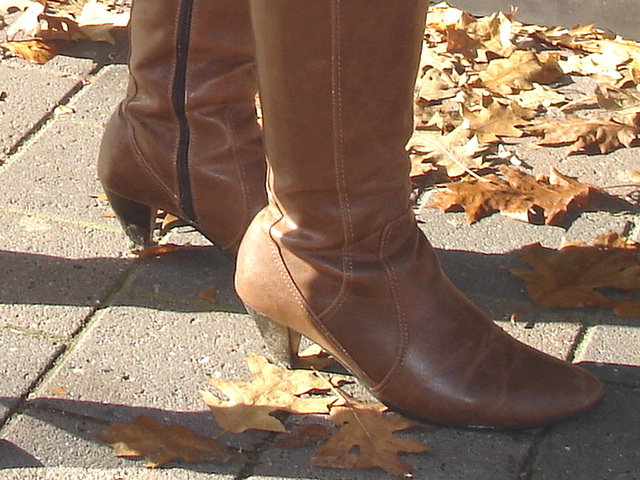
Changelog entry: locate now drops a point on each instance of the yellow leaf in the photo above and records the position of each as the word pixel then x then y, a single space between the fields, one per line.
pixel 273 388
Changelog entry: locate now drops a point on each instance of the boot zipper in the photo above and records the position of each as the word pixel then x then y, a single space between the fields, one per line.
pixel 179 105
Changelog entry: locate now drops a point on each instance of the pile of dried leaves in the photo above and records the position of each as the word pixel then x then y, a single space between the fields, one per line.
pixel 38 26
pixel 362 435
pixel 482 79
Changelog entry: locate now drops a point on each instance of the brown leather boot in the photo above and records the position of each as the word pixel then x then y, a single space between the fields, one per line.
pixel 185 138
pixel 337 255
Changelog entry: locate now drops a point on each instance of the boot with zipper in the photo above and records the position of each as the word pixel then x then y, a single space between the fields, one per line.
pixel 185 139
pixel 337 255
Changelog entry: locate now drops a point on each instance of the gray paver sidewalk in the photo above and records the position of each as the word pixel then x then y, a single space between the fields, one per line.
pixel 122 339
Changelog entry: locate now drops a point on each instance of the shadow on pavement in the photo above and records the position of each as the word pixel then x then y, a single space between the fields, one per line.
pixel 174 281
pixel 604 437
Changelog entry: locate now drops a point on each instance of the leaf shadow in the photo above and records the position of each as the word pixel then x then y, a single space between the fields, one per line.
pixel 83 420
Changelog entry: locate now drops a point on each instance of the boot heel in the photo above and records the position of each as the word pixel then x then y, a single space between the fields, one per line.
pixel 282 343
pixel 137 219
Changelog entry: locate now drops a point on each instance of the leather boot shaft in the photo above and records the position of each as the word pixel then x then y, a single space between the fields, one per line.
pixel 337 255
pixel 362 104
pixel 185 138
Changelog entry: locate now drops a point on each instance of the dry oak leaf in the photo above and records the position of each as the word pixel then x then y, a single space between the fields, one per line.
pixel 518 195
pixel 457 152
pixel 569 277
pixel 273 388
pixel 495 121
pixel 370 431
pixel 520 71
pixel 34 51
pixel 159 444
pixel 7 5
pixel 604 134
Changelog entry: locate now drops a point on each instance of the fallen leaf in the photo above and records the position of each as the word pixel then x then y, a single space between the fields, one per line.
pixel 627 309
pixel 159 444
pixel 59 391
pixel 519 72
pixel 34 51
pixel 210 294
pixel 157 250
pixel 457 152
pixel 518 195
pixel 571 276
pixel 603 134
pixel 495 121
pixel 27 25
pixel 366 439
pixel 538 96
pixel 436 85
pixel 7 5
pixel 273 388
pixel 169 221
pixel 63 110
pixel 634 175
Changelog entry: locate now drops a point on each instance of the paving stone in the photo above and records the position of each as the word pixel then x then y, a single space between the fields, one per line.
pixel 67 441
pixel 614 351
pixel 143 358
pixel 56 175
pixel 28 98
pixel 600 445
pixel 57 473
pixel 453 454
pixel 55 273
pixel 178 280
pixel 556 339
pixel 23 359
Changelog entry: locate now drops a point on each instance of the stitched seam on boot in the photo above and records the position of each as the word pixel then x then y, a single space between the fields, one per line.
pixel 131 130
pixel 306 309
pixel 142 162
pixel 242 175
pixel 338 152
pixel 398 306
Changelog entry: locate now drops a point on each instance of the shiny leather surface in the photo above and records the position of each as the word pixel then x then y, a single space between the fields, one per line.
pixel 226 168
pixel 337 254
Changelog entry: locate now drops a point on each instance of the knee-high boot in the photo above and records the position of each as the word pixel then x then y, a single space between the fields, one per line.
pixel 337 255
pixel 185 138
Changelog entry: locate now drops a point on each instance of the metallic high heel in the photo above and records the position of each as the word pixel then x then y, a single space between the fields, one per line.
pixel 137 219
pixel 281 342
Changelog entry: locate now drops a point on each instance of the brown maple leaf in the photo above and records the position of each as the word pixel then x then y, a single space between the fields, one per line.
pixel 371 431
pixel 519 196
pixel 571 276
pixel 159 444
pixel 604 133
pixel 250 405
